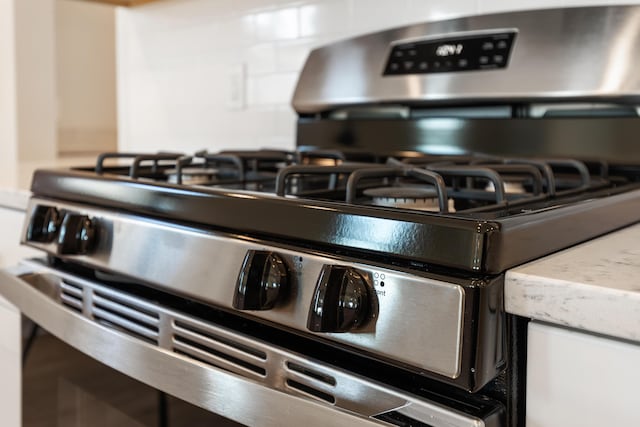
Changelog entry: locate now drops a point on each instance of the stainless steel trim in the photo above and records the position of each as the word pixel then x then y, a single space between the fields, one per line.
pixel 454 35
pixel 270 399
pixel 410 310
pixel 539 110
pixel 548 62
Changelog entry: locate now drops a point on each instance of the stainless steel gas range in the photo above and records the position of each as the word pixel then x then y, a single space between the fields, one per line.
pixel 360 276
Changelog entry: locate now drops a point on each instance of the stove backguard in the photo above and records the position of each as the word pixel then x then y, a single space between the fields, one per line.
pixel 510 84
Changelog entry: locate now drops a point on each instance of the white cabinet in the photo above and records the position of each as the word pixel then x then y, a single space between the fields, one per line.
pixel 10 364
pixel 10 322
pixel 576 379
pixel 10 341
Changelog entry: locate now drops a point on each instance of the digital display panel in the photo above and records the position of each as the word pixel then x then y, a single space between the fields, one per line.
pixel 467 53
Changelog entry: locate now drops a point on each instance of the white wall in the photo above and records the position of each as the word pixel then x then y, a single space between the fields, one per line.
pixel 86 80
pixel 178 59
pixel 8 124
pixel 27 85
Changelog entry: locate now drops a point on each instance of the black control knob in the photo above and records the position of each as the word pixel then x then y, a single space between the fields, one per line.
pixel 263 281
pixel 43 224
pixel 77 235
pixel 341 301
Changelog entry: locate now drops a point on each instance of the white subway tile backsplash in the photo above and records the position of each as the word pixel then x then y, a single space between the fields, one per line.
pixel 490 6
pixel 285 119
pixel 176 60
pixel 368 15
pixel 421 10
pixel 272 89
pixel 261 58
pixel 290 55
pixel 278 24
pixel 324 17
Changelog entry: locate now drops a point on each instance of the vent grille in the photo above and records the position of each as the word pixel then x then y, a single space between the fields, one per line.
pixel 71 295
pixel 207 346
pixel 310 382
pixel 126 316
pixel 206 343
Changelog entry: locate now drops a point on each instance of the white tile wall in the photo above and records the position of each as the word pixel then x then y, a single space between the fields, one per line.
pixel 177 59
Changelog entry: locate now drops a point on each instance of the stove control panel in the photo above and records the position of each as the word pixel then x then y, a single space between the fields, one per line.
pixel 263 281
pixel 461 52
pixel 355 304
pixel 341 301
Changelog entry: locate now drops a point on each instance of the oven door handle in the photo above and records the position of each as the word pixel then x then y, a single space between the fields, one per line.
pixel 213 389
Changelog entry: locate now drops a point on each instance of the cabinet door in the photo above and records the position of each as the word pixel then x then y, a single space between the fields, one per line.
pixel 575 379
pixel 10 364
pixel 10 324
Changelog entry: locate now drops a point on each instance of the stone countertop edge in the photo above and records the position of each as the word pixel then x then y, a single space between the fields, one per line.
pixel 16 199
pixel 594 286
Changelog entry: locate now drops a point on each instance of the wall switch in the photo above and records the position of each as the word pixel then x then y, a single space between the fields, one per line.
pixel 237 87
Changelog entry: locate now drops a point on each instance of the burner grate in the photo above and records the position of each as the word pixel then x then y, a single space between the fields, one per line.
pixel 462 183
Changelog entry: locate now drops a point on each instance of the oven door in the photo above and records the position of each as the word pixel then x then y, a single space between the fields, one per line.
pixel 224 371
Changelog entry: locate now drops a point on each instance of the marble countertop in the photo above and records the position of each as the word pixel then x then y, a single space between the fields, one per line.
pixel 594 286
pixel 12 198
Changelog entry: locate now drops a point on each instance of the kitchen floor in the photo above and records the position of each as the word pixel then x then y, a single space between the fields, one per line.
pixel 65 388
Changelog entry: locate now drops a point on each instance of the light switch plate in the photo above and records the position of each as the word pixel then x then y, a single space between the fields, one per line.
pixel 237 87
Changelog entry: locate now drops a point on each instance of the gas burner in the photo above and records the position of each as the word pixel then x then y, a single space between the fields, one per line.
pixel 407 197
pixel 192 175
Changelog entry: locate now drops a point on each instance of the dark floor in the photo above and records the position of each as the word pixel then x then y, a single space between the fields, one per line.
pixel 64 388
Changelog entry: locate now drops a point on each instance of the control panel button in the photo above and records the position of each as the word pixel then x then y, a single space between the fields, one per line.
pixel 77 235
pixel 487 46
pixel 484 60
pixel 263 281
pixel 502 44
pixel 43 224
pixel 498 59
pixel 341 301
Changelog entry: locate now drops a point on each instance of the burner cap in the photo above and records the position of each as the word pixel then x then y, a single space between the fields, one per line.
pixel 510 187
pixel 409 197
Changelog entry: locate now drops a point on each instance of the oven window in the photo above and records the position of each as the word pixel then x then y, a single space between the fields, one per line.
pixel 65 388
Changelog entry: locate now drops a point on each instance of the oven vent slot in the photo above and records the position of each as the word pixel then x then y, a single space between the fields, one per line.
pixel 310 391
pixel 398 419
pixel 311 373
pixel 71 295
pixel 310 382
pixel 212 348
pixel 126 316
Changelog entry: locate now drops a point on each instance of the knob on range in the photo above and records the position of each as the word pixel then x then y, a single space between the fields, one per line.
pixel 43 225
pixel 341 301
pixel 77 235
pixel 263 281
